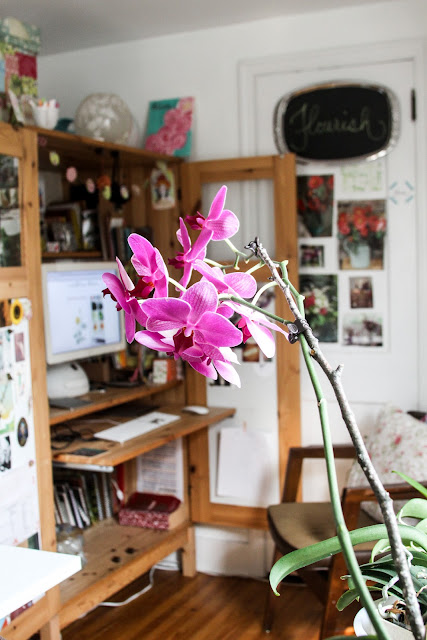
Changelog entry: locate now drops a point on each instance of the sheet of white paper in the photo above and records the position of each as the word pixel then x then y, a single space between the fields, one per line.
pixel 243 469
pixel 27 573
pixel 137 427
pixel 162 470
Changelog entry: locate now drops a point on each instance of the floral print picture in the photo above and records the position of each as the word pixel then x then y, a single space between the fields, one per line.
pixel 321 305
pixel 169 126
pixel 362 226
pixel 315 205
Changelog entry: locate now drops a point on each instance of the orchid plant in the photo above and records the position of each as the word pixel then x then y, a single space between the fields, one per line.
pixel 198 325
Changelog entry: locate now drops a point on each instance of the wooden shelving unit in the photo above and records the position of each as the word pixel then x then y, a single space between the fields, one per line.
pixel 126 552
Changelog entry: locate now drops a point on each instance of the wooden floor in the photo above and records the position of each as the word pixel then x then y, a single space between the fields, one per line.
pixel 201 608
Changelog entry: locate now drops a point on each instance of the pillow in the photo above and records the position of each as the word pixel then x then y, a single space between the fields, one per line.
pixel 398 442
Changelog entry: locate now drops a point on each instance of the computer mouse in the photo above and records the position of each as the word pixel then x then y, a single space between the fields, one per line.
pixel 195 408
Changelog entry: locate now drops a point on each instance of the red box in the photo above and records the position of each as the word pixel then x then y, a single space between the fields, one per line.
pixel 152 511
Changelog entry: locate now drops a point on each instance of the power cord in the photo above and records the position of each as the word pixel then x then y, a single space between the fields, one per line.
pixel 135 595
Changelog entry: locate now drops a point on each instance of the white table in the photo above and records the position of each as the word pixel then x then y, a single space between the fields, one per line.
pixel 28 573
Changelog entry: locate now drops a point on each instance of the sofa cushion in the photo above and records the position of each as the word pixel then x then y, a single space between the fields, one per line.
pixel 398 442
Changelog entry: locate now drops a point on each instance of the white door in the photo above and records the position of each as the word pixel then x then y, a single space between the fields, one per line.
pixel 378 369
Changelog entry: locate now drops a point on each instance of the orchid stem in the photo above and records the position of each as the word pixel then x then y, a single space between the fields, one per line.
pixel 310 349
pixel 176 284
pixel 259 293
pixel 245 303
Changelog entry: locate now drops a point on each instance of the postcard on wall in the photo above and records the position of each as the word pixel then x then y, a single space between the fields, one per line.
pixel 361 293
pixel 363 329
pixel 169 126
pixel 321 305
pixel 315 198
pixel 361 230
pixel 362 179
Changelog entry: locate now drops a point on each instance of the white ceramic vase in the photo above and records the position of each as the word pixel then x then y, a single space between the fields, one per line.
pixel 363 627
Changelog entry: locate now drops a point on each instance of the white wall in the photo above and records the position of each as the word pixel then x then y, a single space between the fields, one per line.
pixel 205 64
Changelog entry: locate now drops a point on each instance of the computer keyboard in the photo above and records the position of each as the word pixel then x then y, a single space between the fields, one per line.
pixel 137 427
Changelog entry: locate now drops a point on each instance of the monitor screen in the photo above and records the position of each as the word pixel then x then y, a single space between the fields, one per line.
pixel 79 321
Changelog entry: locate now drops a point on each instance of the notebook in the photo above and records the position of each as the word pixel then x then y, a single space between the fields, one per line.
pixel 137 427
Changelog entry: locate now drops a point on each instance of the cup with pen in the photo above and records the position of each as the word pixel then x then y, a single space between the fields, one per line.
pixel 45 112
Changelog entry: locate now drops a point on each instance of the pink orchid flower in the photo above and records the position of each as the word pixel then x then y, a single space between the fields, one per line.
pixel 254 324
pixel 238 284
pixel 220 223
pixel 122 291
pixel 149 265
pixel 190 328
pixel 186 258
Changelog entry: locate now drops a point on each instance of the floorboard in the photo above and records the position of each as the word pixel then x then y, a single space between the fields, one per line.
pixel 201 608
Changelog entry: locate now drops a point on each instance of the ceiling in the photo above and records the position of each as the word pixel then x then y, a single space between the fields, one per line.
pixel 67 25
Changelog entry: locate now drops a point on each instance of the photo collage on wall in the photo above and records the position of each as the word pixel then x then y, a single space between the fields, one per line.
pixel 19 514
pixel 342 231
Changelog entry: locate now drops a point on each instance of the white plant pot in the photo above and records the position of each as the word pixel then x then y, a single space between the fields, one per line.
pixel 363 627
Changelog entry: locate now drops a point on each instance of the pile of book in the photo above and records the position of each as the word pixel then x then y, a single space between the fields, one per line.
pixel 82 498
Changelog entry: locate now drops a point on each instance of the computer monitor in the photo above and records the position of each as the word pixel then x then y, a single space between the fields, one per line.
pixel 79 321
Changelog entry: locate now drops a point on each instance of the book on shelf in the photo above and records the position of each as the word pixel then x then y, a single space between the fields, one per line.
pixel 81 497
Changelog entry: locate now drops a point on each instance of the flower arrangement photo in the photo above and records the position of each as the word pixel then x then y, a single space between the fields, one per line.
pixel 321 305
pixel 361 229
pixel 315 205
pixel 201 323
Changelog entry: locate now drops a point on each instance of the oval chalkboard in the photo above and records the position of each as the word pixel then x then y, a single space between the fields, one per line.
pixel 337 121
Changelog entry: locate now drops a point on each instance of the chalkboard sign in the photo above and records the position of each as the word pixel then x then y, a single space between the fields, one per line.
pixel 337 122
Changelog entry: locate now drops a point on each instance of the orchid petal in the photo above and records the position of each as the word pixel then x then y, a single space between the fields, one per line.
pixel 138 312
pixel 198 250
pixel 263 337
pixel 183 237
pixel 228 372
pixel 153 340
pixel 218 331
pixel 224 227
pixel 229 355
pixel 129 327
pixel 214 275
pixel 117 289
pixel 244 284
pixel 166 313
pixel 143 250
pixel 124 277
pixel 207 370
pixel 202 297
pixel 225 310
pixel 217 205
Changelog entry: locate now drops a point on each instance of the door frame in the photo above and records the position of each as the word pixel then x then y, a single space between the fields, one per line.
pixel 281 170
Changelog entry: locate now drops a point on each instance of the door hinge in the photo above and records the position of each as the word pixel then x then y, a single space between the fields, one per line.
pixel 413 105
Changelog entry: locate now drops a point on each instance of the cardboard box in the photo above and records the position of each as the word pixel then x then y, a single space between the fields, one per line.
pixel 152 511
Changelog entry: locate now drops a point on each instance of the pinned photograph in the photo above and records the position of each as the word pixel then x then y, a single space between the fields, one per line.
pixel 361 295
pixel 363 330
pixel 321 305
pixel 362 227
pixel 312 255
pixel 315 199
pixel 5 454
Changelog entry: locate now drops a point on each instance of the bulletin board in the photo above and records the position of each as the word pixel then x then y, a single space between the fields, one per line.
pixel 19 505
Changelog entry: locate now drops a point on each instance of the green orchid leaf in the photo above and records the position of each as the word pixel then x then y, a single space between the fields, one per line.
pixel 422 525
pixel 308 555
pixel 380 547
pixel 350 596
pixel 419 487
pixel 415 508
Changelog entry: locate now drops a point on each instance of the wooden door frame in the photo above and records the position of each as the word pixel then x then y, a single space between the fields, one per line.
pixel 281 170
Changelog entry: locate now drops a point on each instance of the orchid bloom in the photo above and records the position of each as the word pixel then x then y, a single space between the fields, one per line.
pixel 189 327
pixel 220 223
pixel 149 265
pixel 256 325
pixel 185 259
pixel 122 291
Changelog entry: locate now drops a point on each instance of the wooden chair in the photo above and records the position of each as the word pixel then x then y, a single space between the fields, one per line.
pixel 295 524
